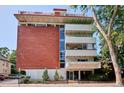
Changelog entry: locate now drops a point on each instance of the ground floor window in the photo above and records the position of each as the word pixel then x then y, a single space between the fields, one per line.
pixel 78 75
pixel 62 65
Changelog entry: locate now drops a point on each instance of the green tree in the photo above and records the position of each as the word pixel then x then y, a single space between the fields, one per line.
pixel 105 18
pixel 56 76
pixel 5 52
pixel 12 59
pixel 45 76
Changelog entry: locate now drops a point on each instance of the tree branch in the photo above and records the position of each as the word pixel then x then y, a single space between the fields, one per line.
pixel 98 24
pixel 112 19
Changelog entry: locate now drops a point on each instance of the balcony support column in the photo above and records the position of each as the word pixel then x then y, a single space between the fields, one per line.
pixel 73 75
pixel 92 72
pixel 79 75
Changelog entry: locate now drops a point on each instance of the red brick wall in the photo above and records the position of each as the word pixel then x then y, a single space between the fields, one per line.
pixel 37 47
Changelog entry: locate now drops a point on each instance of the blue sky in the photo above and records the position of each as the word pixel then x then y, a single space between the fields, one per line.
pixel 8 23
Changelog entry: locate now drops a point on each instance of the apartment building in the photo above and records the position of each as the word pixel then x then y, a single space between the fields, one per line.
pixel 5 66
pixel 56 41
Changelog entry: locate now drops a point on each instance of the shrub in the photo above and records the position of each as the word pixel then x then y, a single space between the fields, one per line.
pixel 45 76
pixel 37 81
pixel 56 76
pixel 79 21
pixel 61 77
pixel 25 80
pixel 22 72
pixel 95 77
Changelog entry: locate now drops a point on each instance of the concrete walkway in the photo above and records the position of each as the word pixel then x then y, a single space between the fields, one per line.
pixel 60 85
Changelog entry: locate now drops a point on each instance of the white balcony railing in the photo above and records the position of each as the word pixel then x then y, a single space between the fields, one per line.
pixel 83 65
pixel 69 39
pixel 80 53
pixel 78 27
pixel 47 13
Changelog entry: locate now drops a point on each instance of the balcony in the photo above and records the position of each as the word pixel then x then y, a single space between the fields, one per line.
pixel 48 13
pixel 80 53
pixel 82 65
pixel 41 17
pixel 79 39
pixel 78 27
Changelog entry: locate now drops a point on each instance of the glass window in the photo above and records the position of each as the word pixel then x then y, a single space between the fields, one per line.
pixel 82 59
pixel 62 45
pixel 62 65
pixel 84 46
pixel 31 24
pixel 62 36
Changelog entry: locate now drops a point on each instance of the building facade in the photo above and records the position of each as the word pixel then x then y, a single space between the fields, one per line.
pixel 56 40
pixel 5 66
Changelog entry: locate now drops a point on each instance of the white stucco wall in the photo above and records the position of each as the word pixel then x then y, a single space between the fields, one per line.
pixel 37 73
pixel 80 53
pixel 80 27
pixel 69 39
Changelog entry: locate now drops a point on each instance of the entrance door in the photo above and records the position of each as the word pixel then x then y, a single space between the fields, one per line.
pixel 72 75
pixel 76 75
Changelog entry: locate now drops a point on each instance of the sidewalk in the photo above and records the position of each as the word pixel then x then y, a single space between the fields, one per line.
pixel 61 85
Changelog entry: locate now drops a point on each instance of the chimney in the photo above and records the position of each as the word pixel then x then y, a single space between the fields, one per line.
pixel 60 12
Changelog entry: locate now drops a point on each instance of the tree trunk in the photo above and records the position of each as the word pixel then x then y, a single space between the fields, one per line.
pixel 114 61
pixel 111 49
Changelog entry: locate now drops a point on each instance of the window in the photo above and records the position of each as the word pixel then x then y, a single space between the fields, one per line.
pixel 42 25
pixel 62 45
pixel 22 24
pixel 62 56
pixel 31 24
pixel 62 65
pixel 74 46
pixel 84 46
pixel 82 60
pixel 62 35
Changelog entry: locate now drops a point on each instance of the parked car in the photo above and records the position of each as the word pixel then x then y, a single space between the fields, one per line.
pixel 15 76
pixel 2 77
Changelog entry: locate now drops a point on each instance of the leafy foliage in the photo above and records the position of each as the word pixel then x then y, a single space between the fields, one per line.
pixel 79 21
pixel 5 52
pixel 12 58
pixel 110 19
pixel 45 76
pixel 117 35
pixel 104 14
pixel 56 76
pixel 25 80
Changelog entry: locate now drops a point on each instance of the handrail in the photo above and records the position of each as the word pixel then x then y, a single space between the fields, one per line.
pixel 47 13
pixel 83 62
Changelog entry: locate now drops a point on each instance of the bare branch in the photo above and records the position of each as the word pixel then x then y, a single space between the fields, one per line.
pixel 98 24
pixel 112 19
